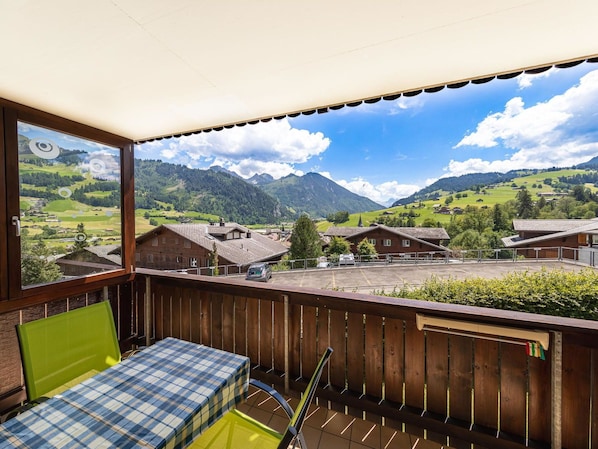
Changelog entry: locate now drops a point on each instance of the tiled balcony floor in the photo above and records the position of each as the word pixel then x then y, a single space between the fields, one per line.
pixel 327 429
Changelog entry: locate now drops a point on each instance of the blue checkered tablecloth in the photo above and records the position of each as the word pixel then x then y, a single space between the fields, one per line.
pixel 162 397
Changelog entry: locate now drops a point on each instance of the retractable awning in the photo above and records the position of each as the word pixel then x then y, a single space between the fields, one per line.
pixel 149 68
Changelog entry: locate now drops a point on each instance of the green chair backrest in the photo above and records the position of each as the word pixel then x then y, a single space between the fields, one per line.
pixel 302 408
pixel 58 349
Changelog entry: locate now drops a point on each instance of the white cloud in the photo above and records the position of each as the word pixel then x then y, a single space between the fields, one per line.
pixel 559 132
pixel 273 145
pixel 524 80
pixel 385 193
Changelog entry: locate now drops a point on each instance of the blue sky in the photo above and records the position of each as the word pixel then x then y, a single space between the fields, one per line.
pixel 391 149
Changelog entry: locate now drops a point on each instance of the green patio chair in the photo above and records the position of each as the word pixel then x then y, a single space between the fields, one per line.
pixel 236 430
pixel 60 351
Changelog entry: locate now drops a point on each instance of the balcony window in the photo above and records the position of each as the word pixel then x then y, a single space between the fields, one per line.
pixel 65 189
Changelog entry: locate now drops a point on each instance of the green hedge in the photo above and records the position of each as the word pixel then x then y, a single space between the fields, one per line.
pixel 555 292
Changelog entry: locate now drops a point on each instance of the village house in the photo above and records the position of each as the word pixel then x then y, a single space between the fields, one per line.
pixel 543 238
pixel 91 259
pixel 183 246
pixel 393 240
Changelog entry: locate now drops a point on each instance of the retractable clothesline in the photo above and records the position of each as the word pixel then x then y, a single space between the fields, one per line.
pixel 483 331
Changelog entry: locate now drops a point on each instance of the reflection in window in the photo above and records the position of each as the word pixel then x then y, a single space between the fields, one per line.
pixel 70 205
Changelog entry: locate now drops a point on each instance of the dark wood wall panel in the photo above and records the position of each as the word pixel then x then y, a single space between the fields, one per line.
pixel 279 336
pixel 486 383
pixel 437 372
pixel 355 352
pixel 374 356
pixel 460 377
pixel 310 335
pixel 394 358
pixel 513 389
pixel 338 363
pixel 576 404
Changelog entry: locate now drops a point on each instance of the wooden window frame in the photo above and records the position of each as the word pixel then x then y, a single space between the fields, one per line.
pixel 13 296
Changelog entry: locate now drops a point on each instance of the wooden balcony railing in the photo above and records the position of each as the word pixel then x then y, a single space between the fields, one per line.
pixel 453 389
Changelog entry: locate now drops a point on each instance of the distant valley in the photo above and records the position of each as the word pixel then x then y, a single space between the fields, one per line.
pixel 259 200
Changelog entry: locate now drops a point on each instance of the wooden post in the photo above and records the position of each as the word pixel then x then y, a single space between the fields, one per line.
pixel 556 390
pixel 286 344
pixel 148 310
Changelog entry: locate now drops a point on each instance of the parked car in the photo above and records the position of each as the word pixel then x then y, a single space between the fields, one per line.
pixel 346 259
pixel 324 264
pixel 261 272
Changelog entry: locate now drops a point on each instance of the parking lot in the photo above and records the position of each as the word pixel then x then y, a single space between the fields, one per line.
pixel 368 279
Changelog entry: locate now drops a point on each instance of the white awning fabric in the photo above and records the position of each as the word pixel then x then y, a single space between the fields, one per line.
pixel 150 68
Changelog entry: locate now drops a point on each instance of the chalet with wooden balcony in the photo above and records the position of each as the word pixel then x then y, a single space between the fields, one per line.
pixel 183 246
pixel 394 240
pixel 546 236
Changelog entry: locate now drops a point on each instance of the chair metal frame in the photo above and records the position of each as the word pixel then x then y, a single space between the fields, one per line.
pixel 292 435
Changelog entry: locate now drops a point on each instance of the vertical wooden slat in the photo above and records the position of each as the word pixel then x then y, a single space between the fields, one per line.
pixel 513 389
pixel 374 356
pixel 158 311
pixel 266 334
pixel 228 321
pixel 216 310
pixel 460 378
pixel 279 337
pixel 176 305
pixel 323 338
pixel 240 325
pixel 355 349
pixel 414 366
pixel 539 398
pixel 309 356
pixel 253 336
pixel 166 311
pixel 206 318
pixel 393 359
pixel 594 376
pixel 185 310
pixel 486 383
pixel 576 407
pixel 337 341
pixel 295 340
pixel 437 375
pixel 195 315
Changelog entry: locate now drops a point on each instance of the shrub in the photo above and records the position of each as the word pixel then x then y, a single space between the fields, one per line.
pixel 555 292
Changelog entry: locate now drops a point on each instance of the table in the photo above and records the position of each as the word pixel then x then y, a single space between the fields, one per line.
pixel 162 397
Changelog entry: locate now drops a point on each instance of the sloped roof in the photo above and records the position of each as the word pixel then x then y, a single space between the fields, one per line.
pixel 109 252
pixel 418 234
pixel 243 251
pixel 589 228
pixel 556 225
pixel 144 69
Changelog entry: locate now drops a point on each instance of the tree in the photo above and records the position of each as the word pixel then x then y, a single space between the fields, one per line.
pixel 500 219
pixel 36 267
pixel 338 217
pixel 80 239
pixel 525 205
pixel 366 249
pixel 338 245
pixel 305 241
pixel 214 259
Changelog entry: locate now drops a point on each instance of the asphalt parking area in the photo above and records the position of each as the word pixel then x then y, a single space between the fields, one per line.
pixel 370 279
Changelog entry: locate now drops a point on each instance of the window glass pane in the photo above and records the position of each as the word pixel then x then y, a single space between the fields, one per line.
pixel 70 206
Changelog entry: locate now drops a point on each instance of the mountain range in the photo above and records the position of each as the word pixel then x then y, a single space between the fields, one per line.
pixel 260 199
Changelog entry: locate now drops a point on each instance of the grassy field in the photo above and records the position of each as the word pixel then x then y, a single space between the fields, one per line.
pixel 488 197
pixel 64 215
